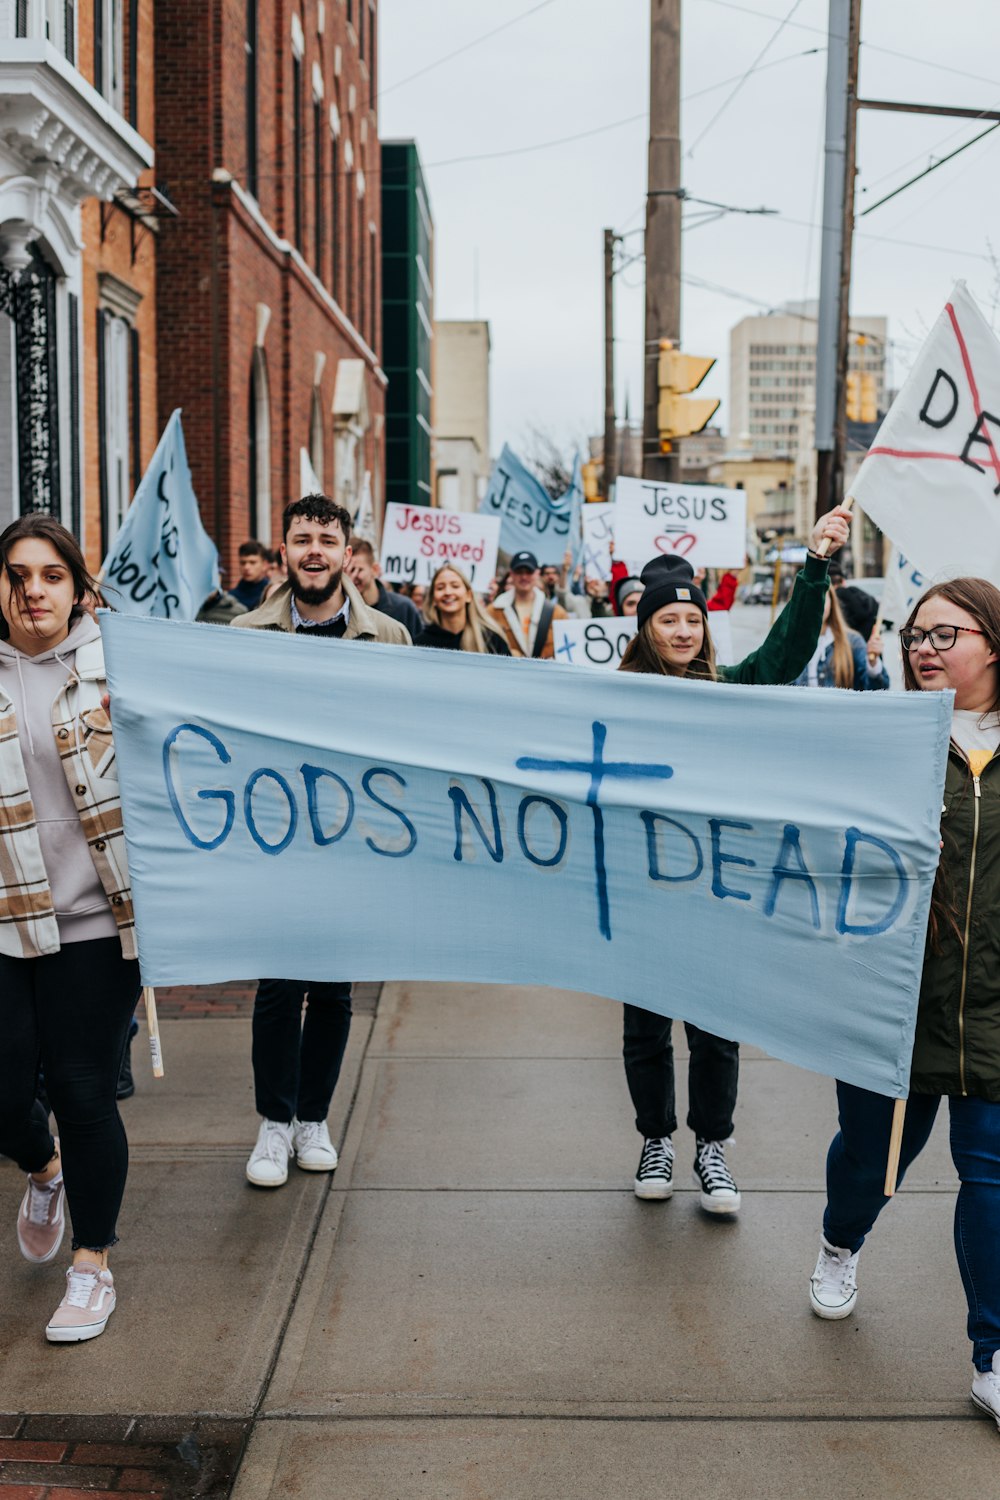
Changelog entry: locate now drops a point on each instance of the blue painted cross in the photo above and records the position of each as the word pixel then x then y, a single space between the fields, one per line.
pixel 598 769
pixel 566 649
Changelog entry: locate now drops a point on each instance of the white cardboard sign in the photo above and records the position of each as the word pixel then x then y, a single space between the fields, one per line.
pixel 701 522
pixel 603 643
pixel 419 539
pixel 598 531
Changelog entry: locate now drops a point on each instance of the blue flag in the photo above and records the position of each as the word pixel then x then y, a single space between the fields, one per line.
pixel 319 810
pixel 163 562
pixel 530 519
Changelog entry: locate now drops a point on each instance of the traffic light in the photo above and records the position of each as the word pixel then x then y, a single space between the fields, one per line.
pixel 853 396
pixel 588 472
pixel 869 398
pixel 677 415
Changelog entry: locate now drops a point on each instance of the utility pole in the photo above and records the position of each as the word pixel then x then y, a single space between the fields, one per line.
pixel 663 221
pixel 843 47
pixel 610 426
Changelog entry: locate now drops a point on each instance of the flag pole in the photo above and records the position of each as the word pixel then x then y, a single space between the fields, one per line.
pixel 153 1028
pixel 899 1105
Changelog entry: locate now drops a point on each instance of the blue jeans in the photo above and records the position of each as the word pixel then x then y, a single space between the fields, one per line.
pixel 296 1062
pixel 855 1177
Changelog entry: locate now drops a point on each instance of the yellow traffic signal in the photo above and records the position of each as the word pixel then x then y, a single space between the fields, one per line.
pixel 589 473
pixel 853 396
pixel 677 415
pixel 869 398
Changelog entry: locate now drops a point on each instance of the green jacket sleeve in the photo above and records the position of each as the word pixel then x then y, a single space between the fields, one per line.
pixel 792 638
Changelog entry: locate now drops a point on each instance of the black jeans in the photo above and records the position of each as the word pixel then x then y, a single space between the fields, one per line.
pixel 296 1063
pixel 713 1076
pixel 71 1012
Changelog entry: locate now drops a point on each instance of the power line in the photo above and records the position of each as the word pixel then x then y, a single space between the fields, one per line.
pixel 927 170
pixel 743 79
pixel 563 140
pixel 466 47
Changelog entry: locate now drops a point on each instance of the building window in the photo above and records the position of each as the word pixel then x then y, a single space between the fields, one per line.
pixel 316 436
pixel 319 219
pixel 350 251
pixel 133 63
pixel 335 235
pixel 297 166
pixel 372 55
pixel 108 51
pixel 362 7
pixel 373 279
pixel 114 383
pixel 259 436
pixel 251 97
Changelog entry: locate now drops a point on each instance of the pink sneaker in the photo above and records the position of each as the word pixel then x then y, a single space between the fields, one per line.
pixel 41 1220
pixel 84 1311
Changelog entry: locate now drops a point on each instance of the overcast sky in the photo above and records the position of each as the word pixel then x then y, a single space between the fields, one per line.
pixel 533 221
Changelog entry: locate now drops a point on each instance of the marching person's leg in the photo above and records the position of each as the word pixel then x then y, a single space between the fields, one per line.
pixel 855 1187
pixel 648 1051
pixel 86 996
pixel 277 1043
pixel 24 1125
pixel 324 1039
pixel 713 1080
pixel 975 1150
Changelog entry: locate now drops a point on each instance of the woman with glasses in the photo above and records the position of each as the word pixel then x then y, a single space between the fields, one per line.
pixel 951 641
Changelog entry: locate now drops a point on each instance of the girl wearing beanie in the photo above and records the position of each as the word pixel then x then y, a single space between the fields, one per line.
pixel 673 641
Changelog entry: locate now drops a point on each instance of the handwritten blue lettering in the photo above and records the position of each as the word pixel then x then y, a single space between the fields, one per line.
pixel 366 782
pixel 852 839
pixel 562 823
pixel 651 821
pixel 719 888
pixel 225 797
pixel 791 849
pixel 248 812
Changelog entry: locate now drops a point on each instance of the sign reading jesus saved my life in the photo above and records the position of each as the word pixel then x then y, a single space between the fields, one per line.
pixel 341 810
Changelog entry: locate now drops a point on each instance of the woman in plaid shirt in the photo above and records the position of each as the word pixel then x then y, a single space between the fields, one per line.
pixel 69 976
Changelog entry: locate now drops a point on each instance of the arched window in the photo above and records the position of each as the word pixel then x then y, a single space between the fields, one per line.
pixel 316 436
pixel 259 444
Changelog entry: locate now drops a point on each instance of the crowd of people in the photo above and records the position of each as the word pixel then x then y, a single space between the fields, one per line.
pixel 68 945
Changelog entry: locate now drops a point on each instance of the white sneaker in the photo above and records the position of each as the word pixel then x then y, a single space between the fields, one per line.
pixel 986 1390
pixel 268 1164
pixel 833 1286
pixel 87 1305
pixel 654 1176
pixel 314 1150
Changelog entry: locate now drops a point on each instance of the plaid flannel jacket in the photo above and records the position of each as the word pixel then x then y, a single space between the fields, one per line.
pixel 28 927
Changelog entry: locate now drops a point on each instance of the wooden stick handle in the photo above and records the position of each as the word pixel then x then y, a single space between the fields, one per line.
pixel 824 545
pixel 153 1027
pixel 895 1142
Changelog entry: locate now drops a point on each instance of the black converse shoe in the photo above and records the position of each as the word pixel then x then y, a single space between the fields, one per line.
pixel 719 1193
pixel 654 1176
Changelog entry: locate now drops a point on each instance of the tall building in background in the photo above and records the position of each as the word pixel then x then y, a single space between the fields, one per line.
pixel 77 262
pixel 772 375
pixel 269 290
pixel 461 413
pixel 408 324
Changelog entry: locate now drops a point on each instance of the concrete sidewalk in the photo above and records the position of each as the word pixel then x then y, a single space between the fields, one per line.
pixel 477 1305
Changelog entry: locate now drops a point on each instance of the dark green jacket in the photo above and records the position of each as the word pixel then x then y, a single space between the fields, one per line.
pixel 957 1045
pixel 792 639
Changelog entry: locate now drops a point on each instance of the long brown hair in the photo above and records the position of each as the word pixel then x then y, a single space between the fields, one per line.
pixel 641 655
pixel 46 529
pixel 478 628
pixel 981 600
pixel 843 656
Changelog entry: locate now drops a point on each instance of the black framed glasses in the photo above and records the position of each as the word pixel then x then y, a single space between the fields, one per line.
pixel 942 637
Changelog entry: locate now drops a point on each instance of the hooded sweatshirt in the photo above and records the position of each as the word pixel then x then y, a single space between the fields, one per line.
pixel 33 683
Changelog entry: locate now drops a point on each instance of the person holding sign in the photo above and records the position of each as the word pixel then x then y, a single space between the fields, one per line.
pixel 673 640
pixel 296 1064
pixel 456 621
pixel 951 640
pixel 69 976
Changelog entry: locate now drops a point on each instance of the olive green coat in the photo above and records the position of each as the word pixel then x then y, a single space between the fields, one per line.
pixel 957 1045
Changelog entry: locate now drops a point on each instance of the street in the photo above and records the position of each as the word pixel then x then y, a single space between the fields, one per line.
pixel 476 1305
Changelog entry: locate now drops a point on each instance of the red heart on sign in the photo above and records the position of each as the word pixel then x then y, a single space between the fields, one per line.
pixel 682 545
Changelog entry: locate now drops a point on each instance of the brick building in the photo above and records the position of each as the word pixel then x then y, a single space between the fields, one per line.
pixel 78 216
pixel 269 283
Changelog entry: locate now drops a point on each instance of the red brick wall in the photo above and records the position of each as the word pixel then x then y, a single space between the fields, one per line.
pixel 217 263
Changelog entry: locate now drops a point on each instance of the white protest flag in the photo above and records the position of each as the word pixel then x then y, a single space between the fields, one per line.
pixel 903 586
pixel 931 479
pixel 162 562
pixel 364 527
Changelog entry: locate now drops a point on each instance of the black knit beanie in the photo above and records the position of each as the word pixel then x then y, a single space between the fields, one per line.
pixel 668 580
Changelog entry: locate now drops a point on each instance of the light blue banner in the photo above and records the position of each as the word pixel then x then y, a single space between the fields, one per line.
pixel 530 520
pixel 755 860
pixel 163 562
